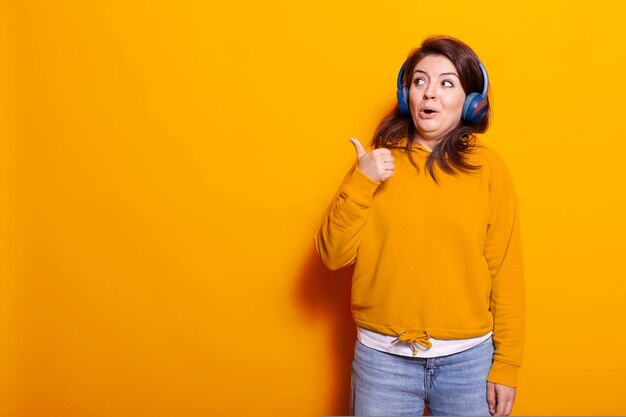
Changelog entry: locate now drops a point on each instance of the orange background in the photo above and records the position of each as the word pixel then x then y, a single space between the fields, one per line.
pixel 164 166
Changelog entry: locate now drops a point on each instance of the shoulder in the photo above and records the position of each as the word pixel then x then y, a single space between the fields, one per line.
pixel 487 155
pixel 493 164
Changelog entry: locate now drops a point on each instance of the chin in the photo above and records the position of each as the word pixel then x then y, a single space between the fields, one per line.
pixel 427 127
pixel 430 133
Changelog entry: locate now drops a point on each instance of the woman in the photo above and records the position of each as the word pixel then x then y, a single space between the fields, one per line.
pixel 429 216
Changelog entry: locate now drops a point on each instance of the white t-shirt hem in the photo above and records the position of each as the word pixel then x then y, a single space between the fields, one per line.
pixel 440 347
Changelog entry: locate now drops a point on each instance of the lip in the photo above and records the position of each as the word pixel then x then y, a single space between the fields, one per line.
pixel 424 115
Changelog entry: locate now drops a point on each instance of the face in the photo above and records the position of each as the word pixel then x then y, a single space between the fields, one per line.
pixel 435 97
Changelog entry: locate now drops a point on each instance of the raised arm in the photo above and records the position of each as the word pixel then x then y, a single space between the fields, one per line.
pixel 337 239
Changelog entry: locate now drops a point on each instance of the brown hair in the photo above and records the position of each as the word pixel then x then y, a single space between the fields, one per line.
pixel 450 150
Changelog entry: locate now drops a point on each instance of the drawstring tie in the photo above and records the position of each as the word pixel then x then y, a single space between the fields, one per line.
pixel 414 339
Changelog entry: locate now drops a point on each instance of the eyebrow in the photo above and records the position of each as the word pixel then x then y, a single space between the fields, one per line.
pixel 443 73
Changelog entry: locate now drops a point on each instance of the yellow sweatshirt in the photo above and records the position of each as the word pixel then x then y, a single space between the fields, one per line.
pixel 433 260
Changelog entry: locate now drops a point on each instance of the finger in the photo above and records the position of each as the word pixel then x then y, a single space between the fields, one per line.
pixel 386 175
pixel 382 151
pixel 385 158
pixel 389 165
pixel 509 407
pixel 501 405
pixel 491 397
pixel 360 151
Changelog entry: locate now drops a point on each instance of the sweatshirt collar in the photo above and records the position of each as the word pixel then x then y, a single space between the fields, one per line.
pixel 418 148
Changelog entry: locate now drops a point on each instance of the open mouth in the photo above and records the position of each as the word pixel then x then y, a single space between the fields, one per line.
pixel 428 111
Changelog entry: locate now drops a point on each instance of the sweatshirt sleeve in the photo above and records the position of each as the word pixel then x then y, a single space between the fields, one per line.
pixel 503 253
pixel 338 237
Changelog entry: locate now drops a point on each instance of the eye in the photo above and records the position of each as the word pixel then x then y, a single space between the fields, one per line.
pixel 447 83
pixel 419 81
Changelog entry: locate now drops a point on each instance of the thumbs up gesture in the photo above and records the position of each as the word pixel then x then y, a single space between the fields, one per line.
pixel 377 165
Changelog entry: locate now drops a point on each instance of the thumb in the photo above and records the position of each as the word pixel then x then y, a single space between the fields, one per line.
pixel 360 151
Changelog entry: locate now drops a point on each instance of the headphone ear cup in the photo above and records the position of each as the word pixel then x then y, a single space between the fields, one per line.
pixel 403 101
pixel 474 108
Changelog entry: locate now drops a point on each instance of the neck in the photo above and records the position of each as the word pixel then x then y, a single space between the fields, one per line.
pixel 427 143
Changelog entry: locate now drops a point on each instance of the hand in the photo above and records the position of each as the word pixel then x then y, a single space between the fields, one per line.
pixel 377 165
pixel 500 399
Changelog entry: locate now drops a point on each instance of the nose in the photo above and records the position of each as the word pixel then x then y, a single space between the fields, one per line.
pixel 430 91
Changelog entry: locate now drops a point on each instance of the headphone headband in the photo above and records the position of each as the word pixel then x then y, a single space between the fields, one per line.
pixel 485 78
pixel 400 75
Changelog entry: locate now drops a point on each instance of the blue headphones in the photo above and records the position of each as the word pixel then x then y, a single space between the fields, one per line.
pixel 474 107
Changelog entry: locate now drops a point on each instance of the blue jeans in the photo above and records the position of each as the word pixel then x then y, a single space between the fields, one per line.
pixel 384 384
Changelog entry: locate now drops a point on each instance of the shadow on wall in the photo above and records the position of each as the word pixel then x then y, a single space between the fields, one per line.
pixel 325 295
